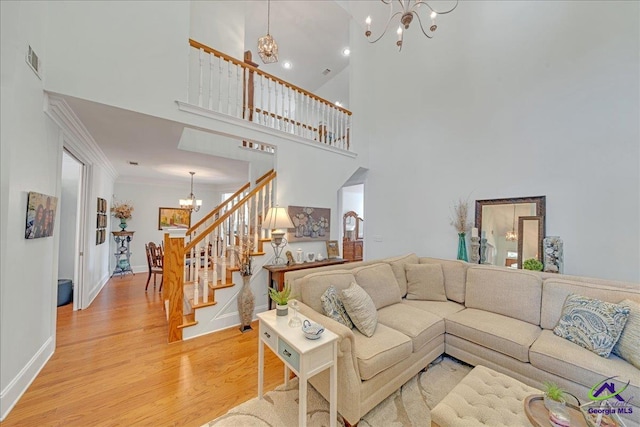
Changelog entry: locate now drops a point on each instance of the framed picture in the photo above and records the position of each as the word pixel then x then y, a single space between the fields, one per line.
pixel 41 214
pixel 174 217
pixel 311 224
pixel 333 250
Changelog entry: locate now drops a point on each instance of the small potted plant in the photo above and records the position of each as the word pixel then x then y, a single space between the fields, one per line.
pixel 532 264
pixel 281 298
pixel 553 395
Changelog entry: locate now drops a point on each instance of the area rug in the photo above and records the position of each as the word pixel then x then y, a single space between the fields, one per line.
pixel 409 406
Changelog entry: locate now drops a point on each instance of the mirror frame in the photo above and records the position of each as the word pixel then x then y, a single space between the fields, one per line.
pixel 541 211
pixel 521 220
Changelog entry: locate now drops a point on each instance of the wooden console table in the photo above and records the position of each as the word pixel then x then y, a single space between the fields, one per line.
pixel 276 272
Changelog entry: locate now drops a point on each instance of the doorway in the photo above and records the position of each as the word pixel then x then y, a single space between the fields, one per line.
pixel 70 249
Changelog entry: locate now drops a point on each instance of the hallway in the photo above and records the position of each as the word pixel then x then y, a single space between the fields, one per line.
pixel 113 367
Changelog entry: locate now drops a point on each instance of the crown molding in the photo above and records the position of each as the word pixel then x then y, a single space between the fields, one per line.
pixel 77 137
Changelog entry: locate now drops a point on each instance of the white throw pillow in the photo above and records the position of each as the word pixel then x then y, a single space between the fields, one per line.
pixel 333 307
pixel 425 282
pixel 628 345
pixel 360 308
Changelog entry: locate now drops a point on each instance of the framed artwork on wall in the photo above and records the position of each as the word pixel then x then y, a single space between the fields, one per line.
pixel 41 214
pixel 311 224
pixel 174 217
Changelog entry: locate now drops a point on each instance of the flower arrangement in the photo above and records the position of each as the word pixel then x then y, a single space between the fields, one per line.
pixel 461 212
pixel 244 258
pixel 122 210
pixel 532 264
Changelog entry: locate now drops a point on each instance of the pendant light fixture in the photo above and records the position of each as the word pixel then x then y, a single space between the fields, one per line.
pixel 267 46
pixel 191 202
pixel 512 236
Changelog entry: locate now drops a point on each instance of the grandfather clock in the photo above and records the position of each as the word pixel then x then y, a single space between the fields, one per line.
pixel 352 243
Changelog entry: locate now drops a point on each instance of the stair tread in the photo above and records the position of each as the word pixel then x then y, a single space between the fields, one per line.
pixel 221 286
pixel 188 320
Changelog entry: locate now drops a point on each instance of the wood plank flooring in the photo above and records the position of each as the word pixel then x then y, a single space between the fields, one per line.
pixel 113 367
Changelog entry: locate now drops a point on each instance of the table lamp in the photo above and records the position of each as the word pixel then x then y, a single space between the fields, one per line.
pixel 277 220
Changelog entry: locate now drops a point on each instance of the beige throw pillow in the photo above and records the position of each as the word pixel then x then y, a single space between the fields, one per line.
pixel 628 345
pixel 425 282
pixel 360 309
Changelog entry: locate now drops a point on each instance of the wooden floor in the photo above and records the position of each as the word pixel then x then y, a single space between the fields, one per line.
pixel 113 367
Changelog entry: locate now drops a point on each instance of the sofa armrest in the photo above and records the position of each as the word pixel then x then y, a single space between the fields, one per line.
pixel 346 340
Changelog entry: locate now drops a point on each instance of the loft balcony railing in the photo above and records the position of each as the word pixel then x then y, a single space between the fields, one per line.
pixel 223 84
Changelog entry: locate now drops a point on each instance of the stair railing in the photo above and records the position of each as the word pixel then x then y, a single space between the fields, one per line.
pixel 239 89
pixel 209 253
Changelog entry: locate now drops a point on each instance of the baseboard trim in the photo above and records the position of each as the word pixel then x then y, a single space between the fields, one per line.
pixel 12 393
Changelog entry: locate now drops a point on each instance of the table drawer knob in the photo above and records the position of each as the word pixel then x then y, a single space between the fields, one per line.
pixel 267 334
pixel 286 353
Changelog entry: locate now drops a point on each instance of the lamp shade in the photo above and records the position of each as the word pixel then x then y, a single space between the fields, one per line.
pixel 277 219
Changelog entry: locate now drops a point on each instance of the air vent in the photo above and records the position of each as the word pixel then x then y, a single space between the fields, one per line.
pixel 133 163
pixel 326 71
pixel 33 61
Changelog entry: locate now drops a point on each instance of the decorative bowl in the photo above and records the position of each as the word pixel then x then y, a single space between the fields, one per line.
pixel 312 331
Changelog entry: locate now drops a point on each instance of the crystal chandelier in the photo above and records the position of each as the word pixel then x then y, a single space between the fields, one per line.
pixel 512 236
pixel 267 46
pixel 191 202
pixel 408 9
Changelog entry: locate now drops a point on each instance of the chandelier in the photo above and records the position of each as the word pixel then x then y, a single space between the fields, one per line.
pixel 191 202
pixel 512 236
pixel 408 9
pixel 267 46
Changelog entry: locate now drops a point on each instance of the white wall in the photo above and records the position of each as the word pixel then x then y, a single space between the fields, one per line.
pixel 30 161
pixel 336 89
pixel 509 99
pixel 146 200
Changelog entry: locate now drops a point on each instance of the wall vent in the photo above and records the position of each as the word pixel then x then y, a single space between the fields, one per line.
pixel 33 61
pixel 326 71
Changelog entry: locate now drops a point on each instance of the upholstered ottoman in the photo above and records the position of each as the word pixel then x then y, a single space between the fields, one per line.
pixel 484 398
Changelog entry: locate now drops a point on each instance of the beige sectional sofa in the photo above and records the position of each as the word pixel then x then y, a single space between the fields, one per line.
pixel 497 317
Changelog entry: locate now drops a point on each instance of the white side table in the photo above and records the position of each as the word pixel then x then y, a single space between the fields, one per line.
pixel 302 356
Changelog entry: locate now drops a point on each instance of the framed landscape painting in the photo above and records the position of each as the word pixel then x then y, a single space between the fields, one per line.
pixel 41 215
pixel 174 218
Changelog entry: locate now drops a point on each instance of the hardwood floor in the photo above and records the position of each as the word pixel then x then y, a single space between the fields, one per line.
pixel 113 367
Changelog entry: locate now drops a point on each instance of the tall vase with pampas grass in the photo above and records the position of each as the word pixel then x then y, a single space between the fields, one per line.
pixel 459 222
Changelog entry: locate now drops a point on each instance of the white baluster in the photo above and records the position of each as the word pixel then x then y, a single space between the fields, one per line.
pixel 201 60
pixel 256 230
pixel 205 276
pixel 290 127
pixel 282 122
pixel 223 269
pixel 219 84
pixel 229 76
pixel 262 97
pixel 211 73
pixel 196 295
pixel 192 265
pixel 307 118
pixel 239 91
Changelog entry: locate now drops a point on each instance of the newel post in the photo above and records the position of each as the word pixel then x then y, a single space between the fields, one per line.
pixel 173 280
pixel 248 87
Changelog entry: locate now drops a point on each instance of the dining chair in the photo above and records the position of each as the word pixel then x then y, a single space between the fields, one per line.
pixel 155 262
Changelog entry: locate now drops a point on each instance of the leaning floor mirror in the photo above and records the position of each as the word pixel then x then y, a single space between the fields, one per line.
pixel 513 228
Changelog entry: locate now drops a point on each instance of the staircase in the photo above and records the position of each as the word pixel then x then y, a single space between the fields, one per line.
pixel 201 266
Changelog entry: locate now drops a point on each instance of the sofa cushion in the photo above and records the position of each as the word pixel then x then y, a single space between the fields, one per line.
pixel 314 285
pixel 380 351
pixel 628 345
pixel 439 308
pixel 397 266
pixel 425 282
pixel 418 325
pixel 511 293
pixel 593 324
pixel 455 276
pixel 379 282
pixel 332 307
pixel 360 308
pixel 568 360
pixel 555 291
pixel 503 334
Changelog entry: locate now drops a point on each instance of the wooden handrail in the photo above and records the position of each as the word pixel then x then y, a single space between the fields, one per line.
pixel 235 61
pixel 263 177
pixel 271 176
pixel 221 205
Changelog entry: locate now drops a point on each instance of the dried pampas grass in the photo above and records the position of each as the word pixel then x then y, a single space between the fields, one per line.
pixel 461 212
